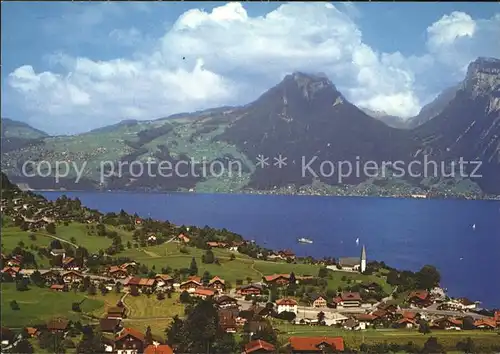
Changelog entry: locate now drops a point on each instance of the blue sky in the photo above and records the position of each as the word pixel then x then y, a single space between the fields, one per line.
pixel 70 67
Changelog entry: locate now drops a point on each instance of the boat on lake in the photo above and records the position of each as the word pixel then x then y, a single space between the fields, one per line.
pixel 304 240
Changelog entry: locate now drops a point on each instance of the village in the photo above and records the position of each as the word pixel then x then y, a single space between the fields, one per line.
pixel 289 310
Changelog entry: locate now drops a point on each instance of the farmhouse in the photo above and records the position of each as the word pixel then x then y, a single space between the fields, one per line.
pixel 277 279
pixel 116 312
pixel 250 289
pixel 57 287
pixel 347 299
pixel 110 325
pixel 315 344
pixel 72 276
pixel 227 321
pixel 158 349
pixel 191 284
pixel 217 283
pixel 258 347
pixel 58 325
pixel 420 298
pixel 164 280
pixel 117 272
pixel 129 341
pixel 319 301
pixel 203 293
pixel 288 305
pixel 226 302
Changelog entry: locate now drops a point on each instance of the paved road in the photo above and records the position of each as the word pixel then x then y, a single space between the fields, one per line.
pixel 310 312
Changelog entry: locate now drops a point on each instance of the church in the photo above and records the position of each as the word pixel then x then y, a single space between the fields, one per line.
pixel 353 264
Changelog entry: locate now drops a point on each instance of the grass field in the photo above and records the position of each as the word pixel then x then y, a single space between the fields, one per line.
pixel 39 305
pixel 354 339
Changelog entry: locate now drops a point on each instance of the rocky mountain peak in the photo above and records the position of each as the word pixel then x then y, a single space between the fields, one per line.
pixel 483 79
pixel 309 84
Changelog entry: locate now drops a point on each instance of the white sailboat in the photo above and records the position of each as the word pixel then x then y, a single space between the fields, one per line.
pixel 474 227
pixel 357 242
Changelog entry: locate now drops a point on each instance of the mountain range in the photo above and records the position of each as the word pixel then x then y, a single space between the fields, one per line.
pixel 301 118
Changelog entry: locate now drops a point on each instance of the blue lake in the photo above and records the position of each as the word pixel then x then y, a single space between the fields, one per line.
pixel 404 233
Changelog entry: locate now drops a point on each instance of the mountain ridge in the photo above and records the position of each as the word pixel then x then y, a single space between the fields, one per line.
pixel 304 114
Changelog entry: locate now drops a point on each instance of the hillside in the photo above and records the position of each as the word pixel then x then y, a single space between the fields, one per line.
pixel 304 116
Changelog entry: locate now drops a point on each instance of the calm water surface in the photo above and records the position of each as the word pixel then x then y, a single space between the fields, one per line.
pixel 405 233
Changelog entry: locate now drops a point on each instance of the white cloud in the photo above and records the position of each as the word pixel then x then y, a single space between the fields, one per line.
pixel 228 57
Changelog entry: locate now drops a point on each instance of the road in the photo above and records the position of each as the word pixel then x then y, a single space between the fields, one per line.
pixel 311 312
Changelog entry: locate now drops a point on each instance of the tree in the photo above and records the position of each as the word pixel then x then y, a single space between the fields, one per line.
pixel 51 229
pixel 92 290
pixel 432 346
pixel 184 297
pixel 75 306
pixel 160 295
pixel 466 346
pixel 14 305
pixel 193 268
pixel 55 244
pixel 292 279
pixel 321 317
pixel 148 337
pixel 176 336
pixel 428 277
pixel 118 287
pixel 22 285
pixel 424 327
pixel 208 257
pixel 232 257
pixel 323 272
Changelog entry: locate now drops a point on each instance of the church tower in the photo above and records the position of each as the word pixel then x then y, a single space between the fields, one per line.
pixel 363 260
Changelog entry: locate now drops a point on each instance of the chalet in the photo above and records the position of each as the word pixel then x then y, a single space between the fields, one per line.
pixel 250 289
pixel 58 325
pixel 203 293
pixel 227 321
pixel 350 324
pixel 116 312
pixel 50 276
pixel 141 283
pixel 214 244
pixel 129 267
pixel 497 317
pixel 226 302
pixel 364 320
pixel 57 287
pixel 110 325
pixel 420 298
pixel 406 322
pixel 319 301
pixel 151 239
pixel 7 336
pixel 485 323
pixel 285 254
pixel 191 285
pixel 383 315
pixel 158 349
pixel 32 332
pixel 217 283
pixel 138 221
pixel 277 279
pixel 69 263
pixel 302 345
pixel 447 323
pixel 183 238
pixel 258 347
pixel 129 341
pixel 117 272
pixel 466 304
pixel 370 286
pixel 347 299
pixel 15 261
pixel 72 277
pixel 288 305
pixel 387 306
pixel 257 326
pixel 164 280
pixel 12 271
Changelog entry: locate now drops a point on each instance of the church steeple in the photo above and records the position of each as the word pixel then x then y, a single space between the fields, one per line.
pixel 363 260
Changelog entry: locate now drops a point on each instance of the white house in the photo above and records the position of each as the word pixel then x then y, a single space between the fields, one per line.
pixel 288 305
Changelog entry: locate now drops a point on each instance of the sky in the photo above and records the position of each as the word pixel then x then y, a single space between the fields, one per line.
pixel 68 67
